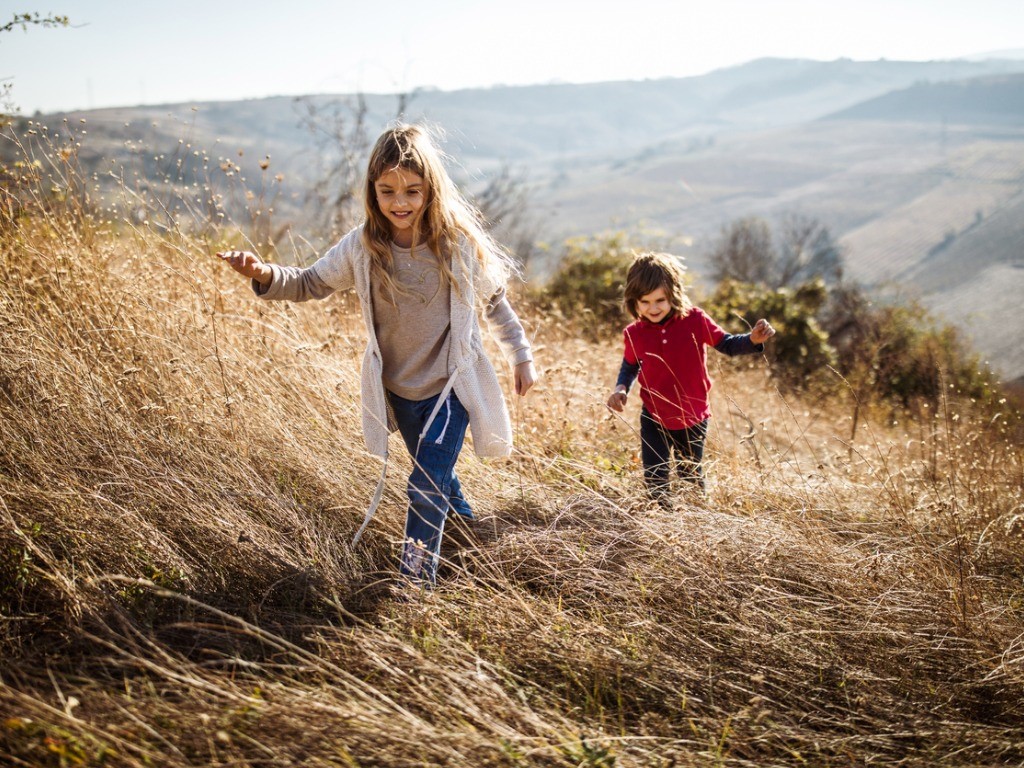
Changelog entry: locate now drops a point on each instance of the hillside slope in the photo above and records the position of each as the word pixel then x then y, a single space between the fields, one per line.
pixel 542 125
pixel 894 157
pixel 181 474
pixel 968 280
pixel 997 100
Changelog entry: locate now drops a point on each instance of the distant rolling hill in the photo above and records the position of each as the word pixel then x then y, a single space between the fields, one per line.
pixel 995 100
pixel 545 126
pixel 915 167
pixel 974 278
pixel 959 243
pixel 564 124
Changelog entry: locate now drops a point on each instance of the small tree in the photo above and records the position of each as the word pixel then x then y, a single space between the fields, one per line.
pixel 744 253
pixel 899 352
pixel 505 205
pixel 342 145
pixel 23 20
pixel 807 251
pixel 802 250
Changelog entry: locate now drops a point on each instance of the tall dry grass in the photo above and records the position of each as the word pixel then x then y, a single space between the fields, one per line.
pixel 181 473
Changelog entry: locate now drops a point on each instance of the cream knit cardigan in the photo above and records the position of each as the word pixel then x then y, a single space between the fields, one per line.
pixel 347 265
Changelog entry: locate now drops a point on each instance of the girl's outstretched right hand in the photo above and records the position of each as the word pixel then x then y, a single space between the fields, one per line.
pixel 248 264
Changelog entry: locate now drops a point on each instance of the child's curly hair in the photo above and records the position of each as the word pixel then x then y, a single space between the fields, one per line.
pixel 651 271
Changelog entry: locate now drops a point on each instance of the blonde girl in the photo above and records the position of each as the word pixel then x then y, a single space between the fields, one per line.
pixel 424 270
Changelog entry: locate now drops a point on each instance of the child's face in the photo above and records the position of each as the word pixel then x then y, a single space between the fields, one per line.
pixel 401 195
pixel 654 306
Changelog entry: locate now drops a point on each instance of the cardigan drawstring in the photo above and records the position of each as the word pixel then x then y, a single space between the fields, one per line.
pixel 441 400
pixel 374 502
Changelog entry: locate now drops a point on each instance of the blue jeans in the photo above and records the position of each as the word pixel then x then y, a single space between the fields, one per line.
pixel 433 488
pixel 656 446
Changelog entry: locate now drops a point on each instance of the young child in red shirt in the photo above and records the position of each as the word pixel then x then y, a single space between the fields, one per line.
pixel 665 349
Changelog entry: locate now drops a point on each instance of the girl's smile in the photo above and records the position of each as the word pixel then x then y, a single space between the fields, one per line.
pixel 654 306
pixel 401 198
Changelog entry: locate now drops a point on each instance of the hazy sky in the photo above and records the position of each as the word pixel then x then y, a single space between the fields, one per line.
pixel 120 53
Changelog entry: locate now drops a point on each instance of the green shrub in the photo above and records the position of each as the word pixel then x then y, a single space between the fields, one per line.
pixel 892 353
pixel 900 352
pixel 590 278
pixel 800 350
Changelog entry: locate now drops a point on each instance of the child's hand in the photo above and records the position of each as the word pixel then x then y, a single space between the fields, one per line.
pixel 525 377
pixel 761 332
pixel 617 400
pixel 248 264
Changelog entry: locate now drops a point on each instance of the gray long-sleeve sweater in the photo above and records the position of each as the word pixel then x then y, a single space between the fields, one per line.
pixel 347 265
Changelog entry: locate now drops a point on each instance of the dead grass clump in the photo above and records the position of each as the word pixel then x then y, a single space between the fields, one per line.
pixel 774 625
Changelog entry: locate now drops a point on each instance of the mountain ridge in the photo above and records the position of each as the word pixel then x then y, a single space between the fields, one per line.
pixel 862 146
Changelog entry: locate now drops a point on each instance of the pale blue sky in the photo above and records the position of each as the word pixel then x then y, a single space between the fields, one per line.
pixel 122 53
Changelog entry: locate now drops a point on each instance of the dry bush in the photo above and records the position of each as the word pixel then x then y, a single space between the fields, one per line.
pixel 181 473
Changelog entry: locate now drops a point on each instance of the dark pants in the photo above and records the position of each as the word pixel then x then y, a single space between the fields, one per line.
pixel 433 488
pixel 656 446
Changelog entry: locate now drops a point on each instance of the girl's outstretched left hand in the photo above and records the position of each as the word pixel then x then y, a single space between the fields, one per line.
pixel 761 332
pixel 525 377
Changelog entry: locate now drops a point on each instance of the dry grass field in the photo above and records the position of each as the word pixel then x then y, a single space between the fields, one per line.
pixel 181 474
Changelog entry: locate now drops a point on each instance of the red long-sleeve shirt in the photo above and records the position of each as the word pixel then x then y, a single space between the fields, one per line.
pixel 674 380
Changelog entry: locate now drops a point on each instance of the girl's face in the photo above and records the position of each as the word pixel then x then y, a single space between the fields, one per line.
pixel 401 197
pixel 654 306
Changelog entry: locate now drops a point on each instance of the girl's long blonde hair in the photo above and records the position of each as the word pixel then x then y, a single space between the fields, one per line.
pixel 446 216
